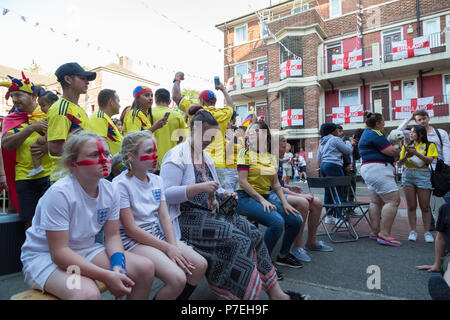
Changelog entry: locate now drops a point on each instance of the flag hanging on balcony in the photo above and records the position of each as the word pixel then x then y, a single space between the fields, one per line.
pixel 404 108
pixel 347 60
pixel 230 84
pixel 351 114
pixel 290 68
pixel 292 117
pixel 411 48
pixel 254 79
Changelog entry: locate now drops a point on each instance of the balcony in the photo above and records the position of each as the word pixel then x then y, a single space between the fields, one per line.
pixel 372 65
pixel 388 110
pixel 249 86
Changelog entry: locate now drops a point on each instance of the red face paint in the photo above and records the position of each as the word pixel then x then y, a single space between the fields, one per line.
pixel 101 159
pixel 152 157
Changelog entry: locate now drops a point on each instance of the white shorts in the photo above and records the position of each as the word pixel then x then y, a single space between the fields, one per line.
pixel 287 172
pixel 38 266
pixel 379 177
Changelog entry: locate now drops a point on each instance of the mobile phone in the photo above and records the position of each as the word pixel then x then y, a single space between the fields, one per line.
pixel 217 82
pixel 166 115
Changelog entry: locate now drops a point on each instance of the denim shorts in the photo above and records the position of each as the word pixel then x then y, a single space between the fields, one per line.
pixel 419 178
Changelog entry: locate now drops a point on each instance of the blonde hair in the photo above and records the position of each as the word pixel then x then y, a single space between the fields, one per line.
pixel 71 149
pixel 131 143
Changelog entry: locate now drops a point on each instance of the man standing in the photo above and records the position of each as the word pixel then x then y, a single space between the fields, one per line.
pixel 207 100
pixel 100 122
pixel 174 131
pixel 65 116
pixel 19 132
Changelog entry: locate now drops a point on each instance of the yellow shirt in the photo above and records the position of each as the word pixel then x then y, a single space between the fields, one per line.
pixel 24 162
pixel 261 169
pixel 223 115
pixel 421 148
pixel 231 160
pixel 64 117
pixel 101 124
pixel 135 120
pixel 167 136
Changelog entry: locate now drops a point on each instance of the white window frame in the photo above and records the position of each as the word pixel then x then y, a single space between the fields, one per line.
pixel 261 61
pixel 261 26
pixel 381 86
pixel 444 93
pixel 434 42
pixel 238 117
pixel 240 64
pixel 403 88
pixel 384 32
pixel 236 42
pixel 328 46
pixel 347 89
pixel 340 9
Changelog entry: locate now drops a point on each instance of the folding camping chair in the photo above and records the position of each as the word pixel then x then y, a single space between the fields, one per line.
pixel 347 209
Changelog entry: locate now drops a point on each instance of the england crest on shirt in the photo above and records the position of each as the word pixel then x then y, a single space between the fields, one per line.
pixel 157 194
pixel 102 214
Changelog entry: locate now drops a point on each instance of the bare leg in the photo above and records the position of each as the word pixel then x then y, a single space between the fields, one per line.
pixel 424 196
pixel 275 293
pixel 197 260
pixel 376 204
pixel 302 205
pixel 389 212
pixel 57 285
pixel 315 211
pixel 139 269
pixel 411 203
pixel 165 269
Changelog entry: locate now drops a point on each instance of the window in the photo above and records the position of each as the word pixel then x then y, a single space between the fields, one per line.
pixel 294 45
pixel 264 30
pixel 241 68
pixel 349 97
pixel 409 89
pixel 300 8
pixel 241 113
pixel 432 27
pixel 335 8
pixel 261 65
pixel 447 88
pixel 240 34
pixel 292 98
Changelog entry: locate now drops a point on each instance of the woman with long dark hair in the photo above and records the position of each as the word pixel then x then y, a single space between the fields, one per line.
pixel 416 157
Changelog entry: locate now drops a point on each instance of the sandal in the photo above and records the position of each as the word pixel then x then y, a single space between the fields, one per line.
pixel 389 242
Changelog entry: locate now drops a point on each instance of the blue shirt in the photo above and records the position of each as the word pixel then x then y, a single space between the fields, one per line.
pixel 280 173
pixel 370 145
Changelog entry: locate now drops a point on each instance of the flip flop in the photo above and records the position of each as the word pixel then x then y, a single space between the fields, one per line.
pixel 371 237
pixel 388 242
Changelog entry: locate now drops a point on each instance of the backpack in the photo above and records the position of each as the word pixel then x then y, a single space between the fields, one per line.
pixel 440 176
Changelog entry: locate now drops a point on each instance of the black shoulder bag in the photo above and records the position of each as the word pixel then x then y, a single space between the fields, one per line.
pixel 440 176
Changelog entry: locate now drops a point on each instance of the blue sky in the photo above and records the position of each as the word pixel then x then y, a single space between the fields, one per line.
pixel 130 28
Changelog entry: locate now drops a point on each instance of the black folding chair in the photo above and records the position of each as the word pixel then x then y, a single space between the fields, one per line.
pixel 347 209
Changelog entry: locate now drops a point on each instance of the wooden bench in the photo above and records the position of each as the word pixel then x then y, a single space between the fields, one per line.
pixel 38 295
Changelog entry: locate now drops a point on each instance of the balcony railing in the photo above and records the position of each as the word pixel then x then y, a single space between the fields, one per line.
pixel 248 81
pixel 388 109
pixel 356 59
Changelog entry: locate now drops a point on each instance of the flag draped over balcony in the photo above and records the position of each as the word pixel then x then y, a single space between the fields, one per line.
pixel 350 114
pixel 290 68
pixel 254 79
pixel 404 108
pixel 411 48
pixel 347 60
pixel 292 117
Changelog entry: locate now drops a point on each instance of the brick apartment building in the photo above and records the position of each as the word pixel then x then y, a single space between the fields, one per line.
pixel 381 74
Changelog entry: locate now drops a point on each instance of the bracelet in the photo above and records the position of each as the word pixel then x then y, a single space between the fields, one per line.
pixel 118 260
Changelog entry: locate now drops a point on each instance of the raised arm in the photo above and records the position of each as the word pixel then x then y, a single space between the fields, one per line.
pixel 228 100
pixel 176 89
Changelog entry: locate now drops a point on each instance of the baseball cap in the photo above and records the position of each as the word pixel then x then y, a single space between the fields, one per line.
pixel 73 69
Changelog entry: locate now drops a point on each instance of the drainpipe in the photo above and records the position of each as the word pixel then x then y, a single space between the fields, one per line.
pixel 362 39
pixel 418 18
pixel 364 92
pixel 421 73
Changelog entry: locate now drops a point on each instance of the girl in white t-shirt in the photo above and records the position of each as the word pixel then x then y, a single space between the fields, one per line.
pixel 146 227
pixel 60 255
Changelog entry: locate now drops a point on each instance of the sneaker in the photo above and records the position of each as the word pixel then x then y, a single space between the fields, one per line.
pixel 339 223
pixel 289 261
pixel 428 237
pixel 412 236
pixel 329 220
pixel 300 254
pixel 320 246
pixel 296 296
pixel 280 275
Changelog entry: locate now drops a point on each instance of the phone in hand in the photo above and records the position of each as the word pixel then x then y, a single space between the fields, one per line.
pixel 216 82
pixel 166 116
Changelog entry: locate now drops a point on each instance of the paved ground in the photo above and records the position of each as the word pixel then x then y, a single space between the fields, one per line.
pixel 341 274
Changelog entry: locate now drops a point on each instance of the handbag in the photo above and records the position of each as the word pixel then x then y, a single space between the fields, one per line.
pixel 440 178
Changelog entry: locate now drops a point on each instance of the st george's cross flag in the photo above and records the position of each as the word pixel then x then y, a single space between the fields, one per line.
pixel 350 114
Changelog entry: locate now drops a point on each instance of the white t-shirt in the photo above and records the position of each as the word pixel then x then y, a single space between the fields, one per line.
pixel 301 161
pixel 286 164
pixel 66 206
pixel 143 198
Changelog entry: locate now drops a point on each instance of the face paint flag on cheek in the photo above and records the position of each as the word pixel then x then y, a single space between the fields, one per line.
pixel 153 157
pixel 101 159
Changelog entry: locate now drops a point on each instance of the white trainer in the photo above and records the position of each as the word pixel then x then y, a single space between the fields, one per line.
pixel 412 236
pixel 428 237
pixel 329 220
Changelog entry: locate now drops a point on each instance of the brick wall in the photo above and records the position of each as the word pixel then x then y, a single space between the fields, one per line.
pixel 311 145
pixel 311 107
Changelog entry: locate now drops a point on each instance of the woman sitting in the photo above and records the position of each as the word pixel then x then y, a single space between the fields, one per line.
pixel 146 228
pixel 61 240
pixel 239 265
